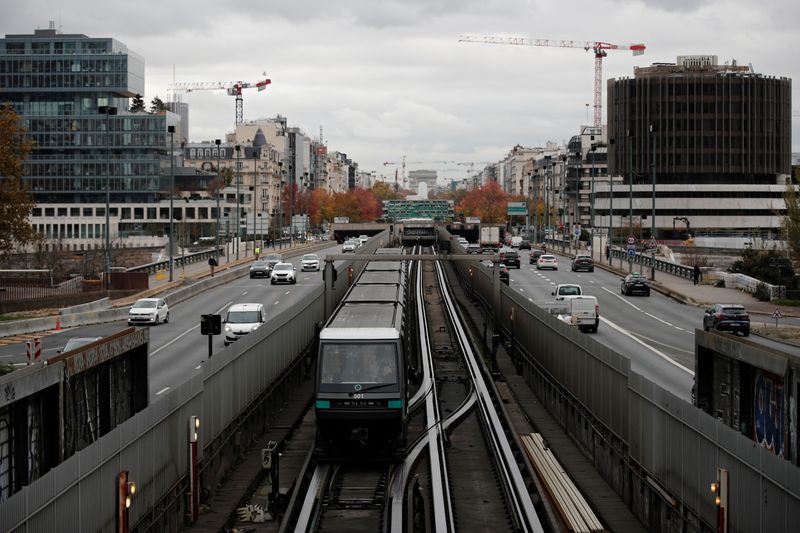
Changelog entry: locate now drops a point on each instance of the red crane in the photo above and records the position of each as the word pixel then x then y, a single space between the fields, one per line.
pixel 598 47
pixel 234 88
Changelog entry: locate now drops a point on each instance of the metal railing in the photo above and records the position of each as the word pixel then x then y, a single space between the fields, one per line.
pixel 180 260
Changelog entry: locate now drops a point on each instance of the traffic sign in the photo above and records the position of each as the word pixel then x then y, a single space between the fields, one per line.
pixel 631 252
pixel 577 231
pixel 777 313
pixel 631 239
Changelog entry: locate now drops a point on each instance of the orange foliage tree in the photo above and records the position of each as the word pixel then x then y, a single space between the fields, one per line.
pixel 488 202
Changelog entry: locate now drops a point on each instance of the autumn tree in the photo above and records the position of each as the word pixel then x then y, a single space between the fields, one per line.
pixel 16 202
pixel 488 202
pixel 384 191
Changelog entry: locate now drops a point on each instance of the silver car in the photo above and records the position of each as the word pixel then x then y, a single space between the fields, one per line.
pixel 310 262
pixel 148 311
pixel 283 273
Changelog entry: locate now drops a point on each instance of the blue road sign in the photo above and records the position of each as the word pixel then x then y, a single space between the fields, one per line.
pixel 631 252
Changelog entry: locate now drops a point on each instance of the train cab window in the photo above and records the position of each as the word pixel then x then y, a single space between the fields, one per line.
pixel 359 364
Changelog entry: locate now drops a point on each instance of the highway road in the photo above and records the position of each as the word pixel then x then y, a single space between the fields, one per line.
pixel 177 349
pixel 655 332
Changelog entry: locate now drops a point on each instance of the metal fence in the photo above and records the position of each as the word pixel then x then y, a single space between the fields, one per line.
pixel 80 493
pixel 657 451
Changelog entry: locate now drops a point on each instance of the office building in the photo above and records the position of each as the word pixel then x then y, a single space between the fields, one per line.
pixel 711 143
pixel 59 83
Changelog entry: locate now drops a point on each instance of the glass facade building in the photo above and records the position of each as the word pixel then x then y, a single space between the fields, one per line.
pixel 57 82
pixel 438 210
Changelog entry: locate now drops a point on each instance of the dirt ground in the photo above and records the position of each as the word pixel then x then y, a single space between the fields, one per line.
pixel 782 333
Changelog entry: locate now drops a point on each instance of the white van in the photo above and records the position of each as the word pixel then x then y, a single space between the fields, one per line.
pixel 516 240
pixel 243 319
pixel 582 311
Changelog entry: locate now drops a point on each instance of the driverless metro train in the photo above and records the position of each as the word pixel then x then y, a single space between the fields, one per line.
pixel 361 391
pixel 418 231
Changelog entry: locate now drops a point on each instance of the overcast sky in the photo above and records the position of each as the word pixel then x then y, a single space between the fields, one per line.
pixel 389 78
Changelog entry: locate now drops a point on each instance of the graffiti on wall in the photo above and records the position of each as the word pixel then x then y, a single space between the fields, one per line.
pixel 768 412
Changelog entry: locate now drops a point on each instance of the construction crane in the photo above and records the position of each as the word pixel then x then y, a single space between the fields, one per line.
pixel 234 88
pixel 598 47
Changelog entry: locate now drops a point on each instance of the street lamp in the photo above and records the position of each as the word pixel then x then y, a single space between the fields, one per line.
pixel 238 149
pixel 107 111
pixel 216 190
pixel 260 228
pixel 280 208
pixel 303 202
pixel 592 151
pixel 630 184
pixel 610 242
pixel 171 130
pixel 653 221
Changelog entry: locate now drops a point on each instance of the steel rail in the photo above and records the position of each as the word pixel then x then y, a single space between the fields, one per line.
pixel 516 488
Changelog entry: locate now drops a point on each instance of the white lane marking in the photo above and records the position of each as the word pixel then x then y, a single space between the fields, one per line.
pixel 530 299
pixel 287 292
pixel 162 391
pixel 174 340
pixel 648 339
pixel 521 289
pixel 612 293
pixel 198 367
pixel 591 281
pixel 660 320
pixel 658 353
pixel 276 302
pixel 244 293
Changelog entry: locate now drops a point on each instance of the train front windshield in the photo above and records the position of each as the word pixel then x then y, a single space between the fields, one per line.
pixel 348 365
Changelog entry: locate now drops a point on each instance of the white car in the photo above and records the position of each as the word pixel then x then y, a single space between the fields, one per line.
pixel 283 273
pixel 148 311
pixel 363 239
pixel 547 261
pixel 243 319
pixel 348 246
pixel 310 262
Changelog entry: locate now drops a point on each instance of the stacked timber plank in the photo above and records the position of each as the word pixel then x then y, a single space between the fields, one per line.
pixel 571 505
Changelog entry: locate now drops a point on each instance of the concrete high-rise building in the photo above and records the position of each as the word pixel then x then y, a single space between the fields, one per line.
pixel 715 139
pixel 182 110
pixel 57 83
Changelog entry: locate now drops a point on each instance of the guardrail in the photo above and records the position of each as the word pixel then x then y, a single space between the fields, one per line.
pixel 647 260
pixel 180 260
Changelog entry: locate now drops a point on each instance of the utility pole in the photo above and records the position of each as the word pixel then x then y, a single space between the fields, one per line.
pixel 592 150
pixel 216 192
pixel 630 184
pixel 653 221
pixel 171 130
pixel 108 110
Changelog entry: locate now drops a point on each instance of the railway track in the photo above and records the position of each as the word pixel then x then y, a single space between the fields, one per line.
pixel 463 469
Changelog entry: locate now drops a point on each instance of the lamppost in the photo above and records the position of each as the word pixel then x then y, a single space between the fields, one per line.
pixel 238 149
pixel 260 228
pixel 528 219
pixel 630 184
pixel 171 130
pixel 280 209
pixel 592 151
pixel 108 110
pixel 216 192
pixel 227 235
pixel 610 216
pixel 653 221
pixel 578 173
pixel 303 194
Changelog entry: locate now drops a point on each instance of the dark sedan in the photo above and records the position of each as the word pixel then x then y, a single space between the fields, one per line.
pixel 535 255
pixel 635 283
pixel 259 269
pixel 727 317
pixel 583 262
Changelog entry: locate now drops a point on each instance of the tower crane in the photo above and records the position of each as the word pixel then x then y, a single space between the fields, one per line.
pixel 598 47
pixel 234 88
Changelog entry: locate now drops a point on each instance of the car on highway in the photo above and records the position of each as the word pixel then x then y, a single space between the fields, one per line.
pixel 727 317
pixel 509 257
pixel 349 246
pixel 259 269
pixel 635 283
pixel 473 248
pixel 272 260
pixel 242 319
pixel 547 261
pixel 525 244
pixel 310 262
pixel 582 262
pixel 77 342
pixel 535 255
pixel 363 239
pixel 148 311
pixel 283 273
